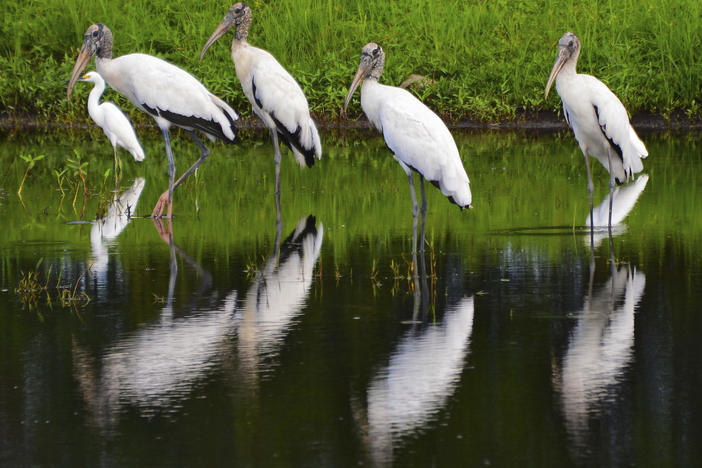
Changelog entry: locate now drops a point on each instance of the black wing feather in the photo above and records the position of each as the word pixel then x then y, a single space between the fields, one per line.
pixel 209 127
pixel 291 140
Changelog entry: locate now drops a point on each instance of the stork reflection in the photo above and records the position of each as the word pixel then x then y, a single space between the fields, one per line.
pixel 623 200
pixel 156 367
pixel 277 295
pixel 599 350
pixel 421 375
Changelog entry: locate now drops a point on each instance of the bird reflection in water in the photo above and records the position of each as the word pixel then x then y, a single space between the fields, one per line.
pixel 156 367
pixel 422 373
pixel 599 350
pixel 623 200
pixel 106 229
pixel 277 295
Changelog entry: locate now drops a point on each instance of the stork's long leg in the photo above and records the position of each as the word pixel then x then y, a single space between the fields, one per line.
pixel 611 202
pixel 168 196
pixel 415 212
pixel 590 189
pixel 611 191
pixel 204 154
pixel 424 213
pixel 276 148
pixel 278 228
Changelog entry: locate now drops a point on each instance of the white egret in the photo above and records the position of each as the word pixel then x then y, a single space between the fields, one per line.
pixel 113 122
pixel 274 94
pixel 598 119
pixel 169 94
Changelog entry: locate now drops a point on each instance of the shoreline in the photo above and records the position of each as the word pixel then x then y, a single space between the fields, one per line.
pixel 545 121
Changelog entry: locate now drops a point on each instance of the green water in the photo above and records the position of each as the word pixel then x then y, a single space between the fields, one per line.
pixel 216 341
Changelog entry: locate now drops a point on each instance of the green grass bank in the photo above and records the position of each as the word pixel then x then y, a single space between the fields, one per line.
pixel 489 59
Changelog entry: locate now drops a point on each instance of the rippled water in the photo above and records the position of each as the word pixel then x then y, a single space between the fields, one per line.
pixel 225 338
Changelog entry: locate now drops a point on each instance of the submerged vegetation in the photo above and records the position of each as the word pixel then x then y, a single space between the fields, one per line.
pixel 32 288
pixel 487 61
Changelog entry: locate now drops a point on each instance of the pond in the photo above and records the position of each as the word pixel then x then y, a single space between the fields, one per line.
pixel 221 338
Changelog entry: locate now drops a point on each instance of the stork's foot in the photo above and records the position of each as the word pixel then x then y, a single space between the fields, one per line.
pixel 161 204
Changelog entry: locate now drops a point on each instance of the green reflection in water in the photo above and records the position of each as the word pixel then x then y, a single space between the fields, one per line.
pixel 516 253
pixel 358 190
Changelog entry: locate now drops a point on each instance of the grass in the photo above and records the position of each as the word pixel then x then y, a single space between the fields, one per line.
pixel 489 60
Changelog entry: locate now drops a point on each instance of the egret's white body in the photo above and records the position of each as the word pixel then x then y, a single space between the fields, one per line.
pixel 598 119
pixel 274 94
pixel 111 119
pixel 417 136
pixel 169 94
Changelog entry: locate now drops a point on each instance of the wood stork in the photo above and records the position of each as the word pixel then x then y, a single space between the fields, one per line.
pixel 417 136
pixel 113 122
pixel 274 95
pixel 169 94
pixel 598 119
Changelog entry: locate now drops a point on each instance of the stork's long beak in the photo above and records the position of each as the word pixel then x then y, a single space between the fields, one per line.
pixel 221 30
pixel 83 58
pixel 561 59
pixel 362 68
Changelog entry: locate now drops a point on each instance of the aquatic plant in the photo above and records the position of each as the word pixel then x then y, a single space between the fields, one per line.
pixel 30 287
pixel 31 162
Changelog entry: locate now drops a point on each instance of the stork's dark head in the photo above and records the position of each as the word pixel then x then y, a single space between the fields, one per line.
pixel 371 67
pixel 568 51
pixel 570 43
pixel 96 41
pixel 239 16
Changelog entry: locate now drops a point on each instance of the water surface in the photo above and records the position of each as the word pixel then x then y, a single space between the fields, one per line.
pixel 223 339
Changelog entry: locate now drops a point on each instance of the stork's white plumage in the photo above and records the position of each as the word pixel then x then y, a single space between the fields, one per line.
pixel 113 122
pixel 274 94
pixel 598 118
pixel 169 94
pixel 417 136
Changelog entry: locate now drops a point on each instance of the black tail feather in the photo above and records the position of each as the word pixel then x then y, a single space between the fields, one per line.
pixel 293 140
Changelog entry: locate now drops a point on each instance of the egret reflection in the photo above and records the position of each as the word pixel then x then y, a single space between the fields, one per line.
pixel 278 294
pixel 599 350
pixel 623 200
pixel 106 229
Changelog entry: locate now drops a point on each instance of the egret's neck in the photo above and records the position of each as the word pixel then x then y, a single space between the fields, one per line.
pixel 93 100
